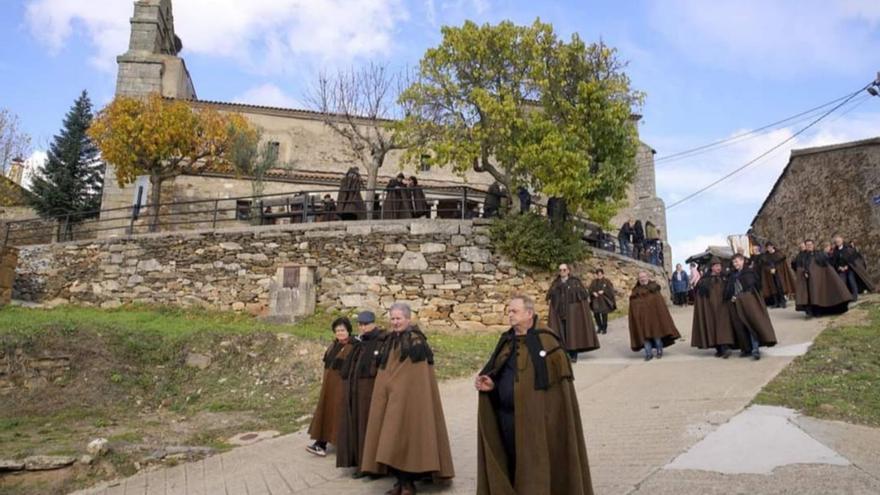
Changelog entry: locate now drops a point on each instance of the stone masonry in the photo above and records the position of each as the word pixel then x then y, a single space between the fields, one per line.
pixel 823 191
pixel 447 270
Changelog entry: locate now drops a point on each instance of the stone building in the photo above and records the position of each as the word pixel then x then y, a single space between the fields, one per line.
pixel 314 157
pixel 13 197
pixel 823 191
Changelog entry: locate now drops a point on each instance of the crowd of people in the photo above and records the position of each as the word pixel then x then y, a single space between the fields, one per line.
pixel 643 242
pixel 380 405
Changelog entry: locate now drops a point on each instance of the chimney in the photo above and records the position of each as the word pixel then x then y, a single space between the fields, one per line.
pixel 16 170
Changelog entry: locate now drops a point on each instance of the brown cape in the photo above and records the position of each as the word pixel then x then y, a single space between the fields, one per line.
pixel 551 457
pixel 849 256
pixel 605 302
pixel 823 289
pixel 712 324
pixel 862 278
pixel 407 429
pixel 418 201
pixel 349 202
pixel 326 418
pixel 570 315
pixel 397 202
pixel 748 310
pixel 358 375
pixel 776 261
pixel 649 317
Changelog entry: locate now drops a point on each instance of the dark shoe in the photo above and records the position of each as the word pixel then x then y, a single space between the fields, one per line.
pixel 396 490
pixel 756 355
pixel 317 450
pixel 649 357
pixel 725 354
pixel 718 353
pixel 659 354
pixel 358 475
pixel 744 354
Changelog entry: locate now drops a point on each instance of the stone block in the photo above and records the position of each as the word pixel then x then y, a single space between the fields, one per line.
pixel 432 247
pixel 424 227
pixel 475 254
pixel 451 266
pixel 432 278
pixel 359 230
pixel 411 261
pixel 394 248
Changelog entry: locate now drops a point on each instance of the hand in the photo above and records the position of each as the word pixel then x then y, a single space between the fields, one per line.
pixel 733 299
pixel 484 384
pixel 595 294
pixel 773 270
pixel 806 275
pixel 601 292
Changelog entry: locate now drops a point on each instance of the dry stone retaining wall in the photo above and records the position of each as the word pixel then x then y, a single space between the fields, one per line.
pixel 447 270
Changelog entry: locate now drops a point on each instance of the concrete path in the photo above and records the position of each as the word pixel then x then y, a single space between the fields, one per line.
pixel 641 420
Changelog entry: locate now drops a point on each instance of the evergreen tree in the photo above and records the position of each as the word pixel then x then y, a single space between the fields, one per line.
pixel 71 179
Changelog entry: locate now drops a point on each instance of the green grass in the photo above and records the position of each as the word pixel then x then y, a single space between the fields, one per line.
pixel 839 378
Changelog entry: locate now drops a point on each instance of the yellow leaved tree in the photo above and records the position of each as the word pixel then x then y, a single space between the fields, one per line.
pixel 164 138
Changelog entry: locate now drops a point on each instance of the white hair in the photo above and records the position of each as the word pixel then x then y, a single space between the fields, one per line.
pixel 403 308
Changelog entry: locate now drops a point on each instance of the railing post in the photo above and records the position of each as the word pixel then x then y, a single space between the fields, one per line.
pixel 306 199
pixel 134 210
pixel 214 221
pixel 463 202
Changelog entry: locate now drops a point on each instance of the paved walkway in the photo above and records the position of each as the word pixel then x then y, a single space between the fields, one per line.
pixel 639 417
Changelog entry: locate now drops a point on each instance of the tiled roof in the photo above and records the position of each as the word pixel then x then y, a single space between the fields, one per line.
pixel 289 112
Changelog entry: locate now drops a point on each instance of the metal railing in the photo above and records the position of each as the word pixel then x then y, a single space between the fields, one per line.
pixel 308 206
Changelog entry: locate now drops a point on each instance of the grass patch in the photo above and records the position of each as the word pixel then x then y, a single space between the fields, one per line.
pixel 839 378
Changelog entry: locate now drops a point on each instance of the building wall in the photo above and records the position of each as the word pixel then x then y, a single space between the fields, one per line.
pixel 824 191
pixel 447 270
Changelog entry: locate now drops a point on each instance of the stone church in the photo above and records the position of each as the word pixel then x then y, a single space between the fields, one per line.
pixel 313 155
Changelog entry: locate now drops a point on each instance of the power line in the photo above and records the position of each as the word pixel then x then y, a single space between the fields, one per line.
pixel 764 154
pixel 753 132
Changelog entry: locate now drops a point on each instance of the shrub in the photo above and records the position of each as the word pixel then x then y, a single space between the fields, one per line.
pixel 530 240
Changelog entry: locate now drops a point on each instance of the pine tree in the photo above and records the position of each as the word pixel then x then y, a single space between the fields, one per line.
pixel 71 179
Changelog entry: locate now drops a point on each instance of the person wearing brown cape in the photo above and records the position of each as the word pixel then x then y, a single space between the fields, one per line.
pixel 325 420
pixel 712 327
pixel 777 279
pixel 349 202
pixel 751 321
pixel 819 289
pixel 397 204
pixel 406 432
pixel 328 208
pixel 530 439
pixel 602 300
pixel 418 203
pixel 570 315
pixel 358 377
pixel 850 267
pixel 650 324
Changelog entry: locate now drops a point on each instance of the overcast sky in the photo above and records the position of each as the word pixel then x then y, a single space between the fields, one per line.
pixel 711 70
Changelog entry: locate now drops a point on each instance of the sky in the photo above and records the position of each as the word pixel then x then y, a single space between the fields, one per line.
pixel 710 70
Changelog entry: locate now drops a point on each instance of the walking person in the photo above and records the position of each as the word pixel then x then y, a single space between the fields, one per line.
pixel 777 279
pixel 751 321
pixel 819 289
pixel 650 325
pixel 358 378
pixel 639 241
pixel 680 284
pixel 406 431
pixel 326 420
pixel 570 315
pixel 850 267
pixel 530 439
pixel 602 300
pixel 712 326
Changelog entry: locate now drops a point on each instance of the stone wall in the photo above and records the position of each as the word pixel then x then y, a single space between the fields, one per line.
pixel 8 263
pixel 30 370
pixel 823 191
pixel 447 270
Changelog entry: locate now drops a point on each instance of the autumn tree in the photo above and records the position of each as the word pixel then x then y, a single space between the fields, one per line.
pixel 164 138
pixel 528 108
pixel 14 143
pixel 358 105
pixel 71 179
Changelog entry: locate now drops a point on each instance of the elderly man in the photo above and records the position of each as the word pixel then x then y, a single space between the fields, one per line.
pixel 530 437
pixel 650 325
pixel 406 433
pixel 748 312
pixel 712 326
pixel 777 279
pixel 359 375
pixel 850 267
pixel 570 315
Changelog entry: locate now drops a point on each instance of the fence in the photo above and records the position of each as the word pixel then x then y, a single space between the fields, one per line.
pixel 319 205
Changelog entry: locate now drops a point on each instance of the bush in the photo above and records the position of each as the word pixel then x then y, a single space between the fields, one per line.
pixel 530 240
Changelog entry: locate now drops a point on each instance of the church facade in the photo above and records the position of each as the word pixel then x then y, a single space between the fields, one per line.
pixel 314 158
